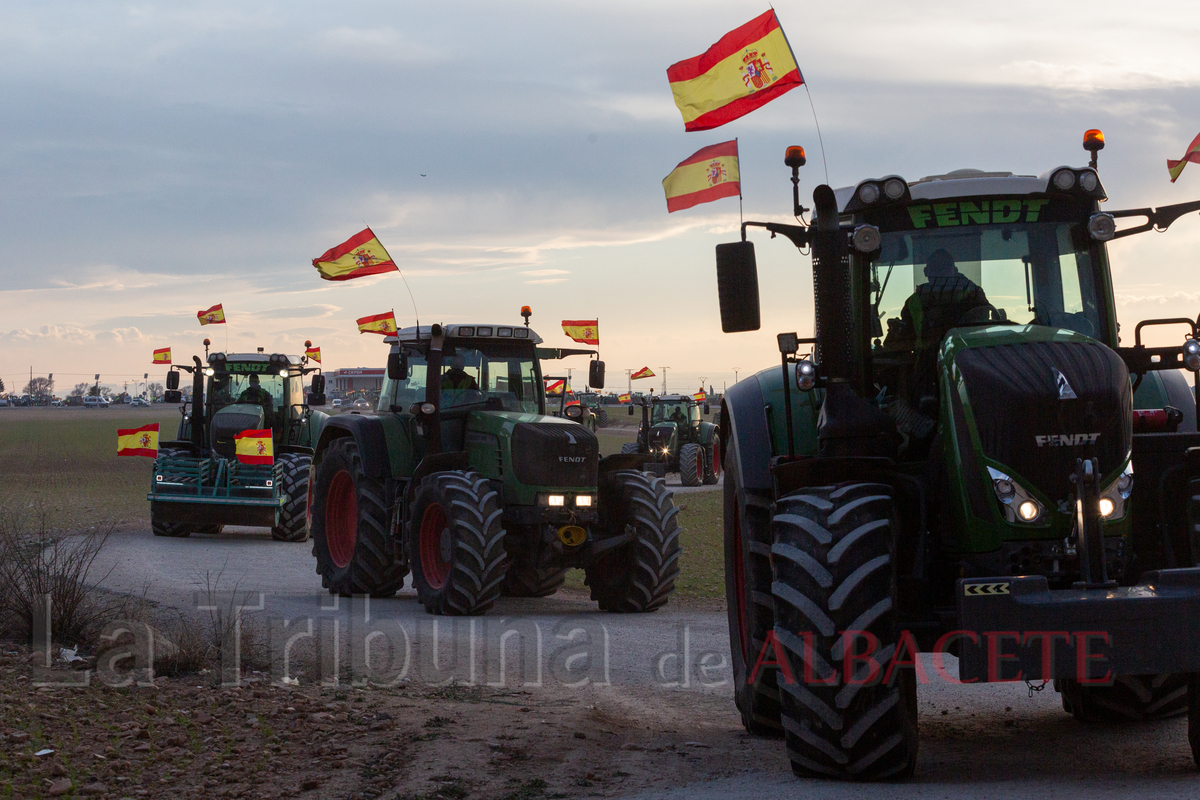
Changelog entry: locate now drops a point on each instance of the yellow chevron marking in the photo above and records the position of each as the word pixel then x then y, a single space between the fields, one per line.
pixel 985 589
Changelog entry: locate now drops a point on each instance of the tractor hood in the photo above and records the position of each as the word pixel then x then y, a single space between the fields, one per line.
pixel 1040 398
pixel 542 451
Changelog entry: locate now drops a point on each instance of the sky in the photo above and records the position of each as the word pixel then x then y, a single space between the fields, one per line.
pixel 158 158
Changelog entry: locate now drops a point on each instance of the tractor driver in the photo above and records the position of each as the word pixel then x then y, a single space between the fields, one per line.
pixel 456 379
pixel 254 394
pixel 677 416
pixel 937 305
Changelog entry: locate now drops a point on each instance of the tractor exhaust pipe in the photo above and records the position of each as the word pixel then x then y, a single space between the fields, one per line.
pixel 198 416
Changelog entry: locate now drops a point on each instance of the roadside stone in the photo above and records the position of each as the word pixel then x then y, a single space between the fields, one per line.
pixel 309 785
pixel 59 787
pixel 203 718
pixel 94 788
pixel 631 746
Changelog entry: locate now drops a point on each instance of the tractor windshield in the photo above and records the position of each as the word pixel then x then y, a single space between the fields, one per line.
pixel 498 371
pixel 674 412
pixel 244 383
pixel 928 281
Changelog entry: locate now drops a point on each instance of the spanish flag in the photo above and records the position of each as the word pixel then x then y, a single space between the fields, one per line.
pixel 379 323
pixel 699 396
pixel 141 441
pixel 1192 154
pixel 708 174
pixel 749 67
pixel 624 398
pixel 556 387
pixel 314 354
pixel 360 255
pixel 586 331
pixel 162 355
pixel 254 447
pixel 644 372
pixel 212 316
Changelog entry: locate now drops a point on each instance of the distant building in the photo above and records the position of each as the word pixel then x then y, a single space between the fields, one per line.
pixel 361 379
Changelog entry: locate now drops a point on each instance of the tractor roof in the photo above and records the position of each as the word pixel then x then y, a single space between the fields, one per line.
pixel 295 360
pixel 468 331
pixel 674 398
pixel 966 183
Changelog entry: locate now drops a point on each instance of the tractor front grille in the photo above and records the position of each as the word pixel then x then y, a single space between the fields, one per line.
pixel 549 454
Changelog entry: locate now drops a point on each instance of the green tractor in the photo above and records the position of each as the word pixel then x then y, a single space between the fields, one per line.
pixel 673 434
pixel 951 469
pixel 461 477
pixel 200 485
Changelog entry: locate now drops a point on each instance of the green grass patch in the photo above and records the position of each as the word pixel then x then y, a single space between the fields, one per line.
pixel 63 463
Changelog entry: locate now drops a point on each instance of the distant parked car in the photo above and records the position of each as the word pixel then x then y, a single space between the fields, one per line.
pixel 337 403
pixel 361 404
pixel 139 401
pixel 3 401
pixel 95 402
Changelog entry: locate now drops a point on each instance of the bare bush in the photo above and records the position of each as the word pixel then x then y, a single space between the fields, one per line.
pixel 36 564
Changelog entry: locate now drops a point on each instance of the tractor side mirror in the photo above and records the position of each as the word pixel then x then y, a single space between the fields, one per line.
pixel 173 381
pixel 397 366
pixel 318 384
pixel 737 287
pixel 173 395
pixel 707 409
pixel 596 374
pixel 631 409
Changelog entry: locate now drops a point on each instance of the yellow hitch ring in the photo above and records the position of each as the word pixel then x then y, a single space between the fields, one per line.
pixel 572 535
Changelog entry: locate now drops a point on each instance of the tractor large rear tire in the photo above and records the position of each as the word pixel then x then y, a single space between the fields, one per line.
pixel 1193 702
pixel 1130 698
pixel 629 447
pixel 640 574
pixel 455 544
pixel 751 607
pixel 691 465
pixel 291 527
pixel 354 553
pixel 833 569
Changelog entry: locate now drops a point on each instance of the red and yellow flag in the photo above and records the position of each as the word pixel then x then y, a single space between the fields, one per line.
pixel 644 372
pixel 162 355
pixel 708 174
pixel 360 255
pixel 556 387
pixel 586 331
pixel 624 398
pixel 749 67
pixel 254 447
pixel 141 441
pixel 379 323
pixel 313 353
pixel 1192 154
pixel 699 396
pixel 212 316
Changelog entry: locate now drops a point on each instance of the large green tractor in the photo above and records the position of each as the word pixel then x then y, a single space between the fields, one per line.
pixel 951 469
pixel 461 477
pixel 674 435
pixel 199 484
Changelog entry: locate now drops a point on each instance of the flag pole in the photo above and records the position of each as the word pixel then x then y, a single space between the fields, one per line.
pixel 820 140
pixel 737 154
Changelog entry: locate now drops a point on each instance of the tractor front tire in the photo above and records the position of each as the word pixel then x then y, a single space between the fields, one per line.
pixel 691 465
pixel 455 544
pixel 533 582
pixel 1130 698
pixel 350 527
pixel 1193 705
pixel 175 530
pixel 712 462
pixel 639 575
pixel 602 417
pixel 834 573
pixel 629 447
pixel 751 607
pixel 294 487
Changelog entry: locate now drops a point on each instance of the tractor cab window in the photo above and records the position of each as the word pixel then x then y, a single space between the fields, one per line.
pixel 245 384
pixel 928 281
pixel 501 374
pixel 674 412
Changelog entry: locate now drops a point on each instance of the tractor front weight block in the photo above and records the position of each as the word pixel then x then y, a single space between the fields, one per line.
pixel 1017 628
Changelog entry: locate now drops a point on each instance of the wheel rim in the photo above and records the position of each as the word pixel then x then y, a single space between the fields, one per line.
pixel 716 458
pixel 341 519
pixel 739 579
pixel 435 568
pixel 700 467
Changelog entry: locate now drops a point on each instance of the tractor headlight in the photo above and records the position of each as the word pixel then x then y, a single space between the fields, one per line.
pixel 209 371
pixel 283 373
pixel 1016 503
pixel 583 501
pixel 893 188
pixel 1088 180
pixel 806 375
pixel 868 193
pixel 1063 179
pixel 1102 227
pixel 1191 355
pixel 1116 494
pixel 573 412
pixel 866 238
pixel 556 500
pixel 428 408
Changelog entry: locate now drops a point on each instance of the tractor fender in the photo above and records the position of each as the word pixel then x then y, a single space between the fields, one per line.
pixel 438 462
pixel 367 432
pixel 745 436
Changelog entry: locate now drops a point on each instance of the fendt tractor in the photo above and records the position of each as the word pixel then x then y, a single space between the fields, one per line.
pixel 672 433
pixel 199 485
pixel 951 469
pixel 461 477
